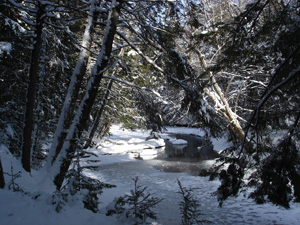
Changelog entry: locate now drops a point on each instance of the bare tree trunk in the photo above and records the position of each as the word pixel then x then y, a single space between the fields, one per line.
pixel 63 161
pixel 104 129
pixel 35 134
pixel 31 90
pixel 228 114
pixel 99 114
pixel 2 181
pixel 66 115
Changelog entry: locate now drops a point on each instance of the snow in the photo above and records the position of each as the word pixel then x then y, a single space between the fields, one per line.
pixel 184 130
pixel 132 53
pixel 4 150
pixel 5 47
pixel 22 209
pixel 15 26
pixel 220 144
pixel 178 141
pixel 126 145
pixel 118 165
pixel 9 131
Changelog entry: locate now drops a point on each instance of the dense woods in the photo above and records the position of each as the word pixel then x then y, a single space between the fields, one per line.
pixel 69 69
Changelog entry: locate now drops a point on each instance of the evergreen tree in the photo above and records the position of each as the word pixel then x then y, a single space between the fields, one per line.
pixel 32 87
pixel 138 204
pixel 14 63
pixel 189 207
pixel 276 175
pixel 66 115
pixel 63 162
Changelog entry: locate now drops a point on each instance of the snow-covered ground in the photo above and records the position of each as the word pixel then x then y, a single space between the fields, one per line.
pixel 118 165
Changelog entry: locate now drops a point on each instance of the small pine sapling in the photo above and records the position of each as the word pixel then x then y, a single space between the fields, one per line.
pixel 13 185
pixel 189 207
pixel 138 204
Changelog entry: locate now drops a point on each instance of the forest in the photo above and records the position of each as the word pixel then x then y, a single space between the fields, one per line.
pixel 70 70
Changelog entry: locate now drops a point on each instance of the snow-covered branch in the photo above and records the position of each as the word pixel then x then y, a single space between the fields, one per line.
pixel 150 61
pixel 264 98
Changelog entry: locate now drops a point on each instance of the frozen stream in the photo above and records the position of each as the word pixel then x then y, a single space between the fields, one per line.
pixel 115 163
pixel 119 169
pixel 164 185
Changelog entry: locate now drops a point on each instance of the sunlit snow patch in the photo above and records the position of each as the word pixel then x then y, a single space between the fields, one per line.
pixel 175 141
pixel 154 143
pixel 131 146
pixel 146 154
pixel 136 140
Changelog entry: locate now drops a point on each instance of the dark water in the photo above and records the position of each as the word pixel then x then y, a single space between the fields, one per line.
pixel 194 157
pixel 197 148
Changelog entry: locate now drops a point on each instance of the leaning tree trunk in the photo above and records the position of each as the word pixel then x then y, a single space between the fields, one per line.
pixel 63 161
pixel 99 114
pixel 31 91
pixel 66 115
pixel 228 114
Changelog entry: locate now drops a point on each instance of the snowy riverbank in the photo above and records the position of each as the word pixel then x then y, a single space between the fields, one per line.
pixel 118 166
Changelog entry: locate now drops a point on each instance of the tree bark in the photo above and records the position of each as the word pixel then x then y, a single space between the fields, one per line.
pixel 31 90
pixel 99 114
pixel 228 114
pixel 66 155
pixel 66 115
pixel 104 129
